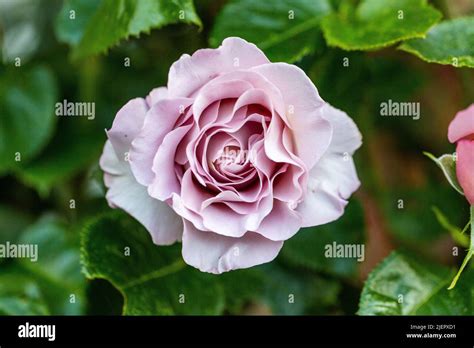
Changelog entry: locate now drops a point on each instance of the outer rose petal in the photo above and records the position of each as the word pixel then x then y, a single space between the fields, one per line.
pixel 281 224
pixel 465 167
pixel 156 95
pixel 126 125
pixel 129 120
pixel 213 253
pixel 334 178
pixel 462 125
pixel 191 72
pixel 311 133
pixel 164 225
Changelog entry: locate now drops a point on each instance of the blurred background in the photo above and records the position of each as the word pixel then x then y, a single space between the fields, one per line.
pixel 55 187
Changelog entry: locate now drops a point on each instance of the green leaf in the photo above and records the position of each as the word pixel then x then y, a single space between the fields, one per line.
pixel 241 287
pixel 153 280
pixel 449 42
pixel 285 30
pixel 72 20
pixel 71 150
pixel 19 294
pixel 447 163
pixel 296 292
pixel 283 291
pixel 23 28
pixel 115 20
pixel 375 24
pixel 308 247
pixel 12 223
pixel 58 269
pixel 44 286
pixel 103 298
pixel 404 285
pixel 456 233
pixel 27 98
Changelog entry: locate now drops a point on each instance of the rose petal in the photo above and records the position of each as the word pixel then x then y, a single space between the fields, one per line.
pixel 190 73
pixel 223 220
pixel 210 252
pixel 334 178
pixel 311 133
pixel 462 125
pixel 281 224
pixel 218 91
pixel 465 167
pixel 164 225
pixel 187 214
pixel 257 82
pixel 288 185
pixel 192 193
pixel 277 150
pixel 156 95
pixel 346 137
pixel 159 121
pixel 126 125
pixel 165 181
pixel 320 206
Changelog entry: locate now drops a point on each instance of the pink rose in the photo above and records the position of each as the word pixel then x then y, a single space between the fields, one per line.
pixel 461 132
pixel 232 158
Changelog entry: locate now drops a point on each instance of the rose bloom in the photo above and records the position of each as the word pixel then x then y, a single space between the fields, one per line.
pixel 232 158
pixel 461 132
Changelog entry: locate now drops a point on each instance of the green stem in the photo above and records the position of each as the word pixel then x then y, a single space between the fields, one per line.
pixel 469 253
pixel 465 227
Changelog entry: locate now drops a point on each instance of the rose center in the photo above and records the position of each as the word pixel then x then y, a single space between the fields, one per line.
pixel 231 155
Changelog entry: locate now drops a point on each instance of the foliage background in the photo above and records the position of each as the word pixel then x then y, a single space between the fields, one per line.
pixel 83 60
